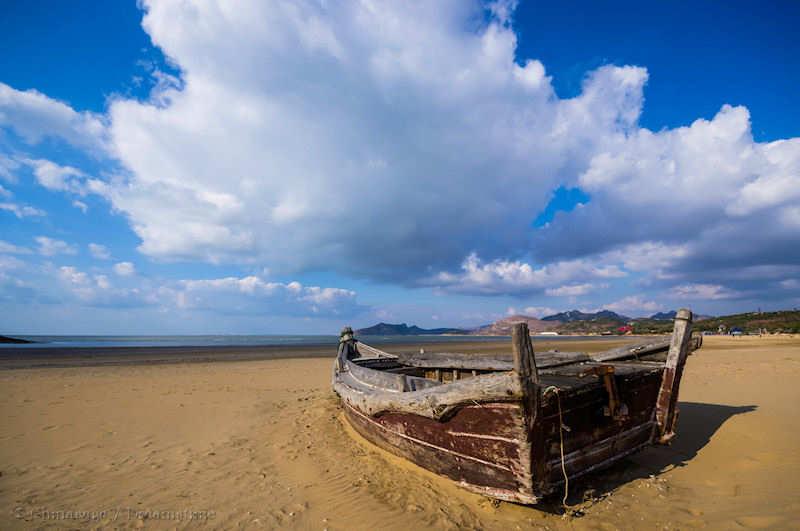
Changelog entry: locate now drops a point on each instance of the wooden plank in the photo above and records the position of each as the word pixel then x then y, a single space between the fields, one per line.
pixel 378 379
pixel 435 402
pixel 667 403
pixel 632 351
pixel 481 362
pixel 449 455
pixel 522 350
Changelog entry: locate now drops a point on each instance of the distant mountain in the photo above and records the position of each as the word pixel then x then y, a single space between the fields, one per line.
pixel 386 329
pixel 503 326
pixel 664 316
pixel 576 315
pixel 571 322
pixel 669 316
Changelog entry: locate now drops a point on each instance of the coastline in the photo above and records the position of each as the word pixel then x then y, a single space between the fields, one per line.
pixel 34 356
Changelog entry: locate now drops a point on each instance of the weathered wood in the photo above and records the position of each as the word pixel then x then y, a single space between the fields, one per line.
pixel 370 351
pixel 479 362
pixel 522 349
pixel 485 466
pixel 434 402
pixel 667 402
pixel 647 348
pixel 378 379
pixel 632 351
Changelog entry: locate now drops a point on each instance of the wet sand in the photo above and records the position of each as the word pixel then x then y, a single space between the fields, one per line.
pixel 261 444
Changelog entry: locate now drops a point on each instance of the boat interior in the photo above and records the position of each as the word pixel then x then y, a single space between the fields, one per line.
pixel 565 370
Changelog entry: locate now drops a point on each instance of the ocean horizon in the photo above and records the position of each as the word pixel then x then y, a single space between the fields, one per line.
pixel 230 340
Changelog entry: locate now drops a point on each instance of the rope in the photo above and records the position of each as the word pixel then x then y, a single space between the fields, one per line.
pixel 556 390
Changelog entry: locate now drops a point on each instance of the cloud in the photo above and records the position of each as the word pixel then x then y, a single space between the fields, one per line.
pixel 454 152
pixel 634 305
pixel 790 283
pixel 73 276
pixel 124 269
pixel 573 290
pixel 503 277
pixel 707 198
pixel 327 136
pixel 8 167
pixel 34 116
pixel 22 211
pixel 252 294
pixel 10 248
pixel 532 311
pixel 97 291
pixel 98 251
pixel 4 192
pixel 52 247
pixel 703 292
pixel 55 177
pixel 237 296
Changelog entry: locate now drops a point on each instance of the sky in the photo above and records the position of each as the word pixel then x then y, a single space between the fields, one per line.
pixel 211 167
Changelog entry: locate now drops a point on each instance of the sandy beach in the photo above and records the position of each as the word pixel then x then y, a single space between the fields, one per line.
pixel 261 444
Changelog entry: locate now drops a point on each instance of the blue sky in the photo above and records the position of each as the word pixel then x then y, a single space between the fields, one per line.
pixel 291 170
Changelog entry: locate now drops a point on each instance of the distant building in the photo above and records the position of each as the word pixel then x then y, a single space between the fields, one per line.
pixel 547 334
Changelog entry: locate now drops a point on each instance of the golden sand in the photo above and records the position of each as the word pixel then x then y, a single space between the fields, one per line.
pixel 261 444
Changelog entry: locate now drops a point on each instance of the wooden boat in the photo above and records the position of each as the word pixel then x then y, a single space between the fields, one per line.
pixel 516 428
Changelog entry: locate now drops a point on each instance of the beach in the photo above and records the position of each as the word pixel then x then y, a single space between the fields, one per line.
pixel 167 442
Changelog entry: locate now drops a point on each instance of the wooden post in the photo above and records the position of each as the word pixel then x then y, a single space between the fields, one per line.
pixel 667 404
pixel 525 368
pixel 524 360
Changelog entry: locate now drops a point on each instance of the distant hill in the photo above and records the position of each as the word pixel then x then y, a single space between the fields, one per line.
pixel 571 322
pixel 503 326
pixel 606 322
pixel 787 321
pixel 669 316
pixel 783 321
pixel 663 316
pixel 386 329
pixel 6 339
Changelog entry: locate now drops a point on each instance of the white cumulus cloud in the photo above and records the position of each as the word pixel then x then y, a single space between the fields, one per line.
pixel 34 116
pixel 573 290
pixel 703 292
pixel 22 211
pixel 52 246
pixel 124 269
pixel 56 177
pixel 98 251
pixel 634 305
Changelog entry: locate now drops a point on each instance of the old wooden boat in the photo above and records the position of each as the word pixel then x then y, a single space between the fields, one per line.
pixel 516 428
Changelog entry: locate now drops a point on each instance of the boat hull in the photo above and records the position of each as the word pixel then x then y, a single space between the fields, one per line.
pixel 483 448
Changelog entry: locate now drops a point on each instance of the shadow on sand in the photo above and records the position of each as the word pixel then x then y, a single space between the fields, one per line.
pixel 697 424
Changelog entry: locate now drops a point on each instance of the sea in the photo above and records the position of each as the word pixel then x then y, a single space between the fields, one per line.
pixel 42 341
